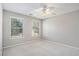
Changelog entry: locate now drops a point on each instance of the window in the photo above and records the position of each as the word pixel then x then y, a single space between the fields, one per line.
pixel 35 28
pixel 16 27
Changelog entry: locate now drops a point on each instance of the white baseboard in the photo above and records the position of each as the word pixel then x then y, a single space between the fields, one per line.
pixel 63 44
pixel 13 45
pixel 16 44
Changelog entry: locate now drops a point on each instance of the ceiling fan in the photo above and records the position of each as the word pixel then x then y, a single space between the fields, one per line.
pixel 48 9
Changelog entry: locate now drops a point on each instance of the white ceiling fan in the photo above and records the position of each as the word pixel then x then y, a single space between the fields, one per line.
pixel 48 9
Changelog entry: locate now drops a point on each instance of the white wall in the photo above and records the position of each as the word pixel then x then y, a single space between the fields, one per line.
pixel 7 29
pixel 63 29
pixel 0 29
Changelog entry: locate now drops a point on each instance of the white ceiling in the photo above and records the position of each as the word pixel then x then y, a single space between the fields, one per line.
pixel 30 8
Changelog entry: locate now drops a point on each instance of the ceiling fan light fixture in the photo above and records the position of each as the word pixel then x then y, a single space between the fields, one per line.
pixel 46 12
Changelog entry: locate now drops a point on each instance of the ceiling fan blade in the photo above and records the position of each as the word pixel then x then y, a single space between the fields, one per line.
pixel 52 8
pixel 53 13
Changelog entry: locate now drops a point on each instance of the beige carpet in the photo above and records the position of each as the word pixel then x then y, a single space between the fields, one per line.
pixel 41 48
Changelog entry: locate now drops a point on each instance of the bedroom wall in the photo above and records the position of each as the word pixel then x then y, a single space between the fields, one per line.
pixel 0 29
pixel 27 29
pixel 63 29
